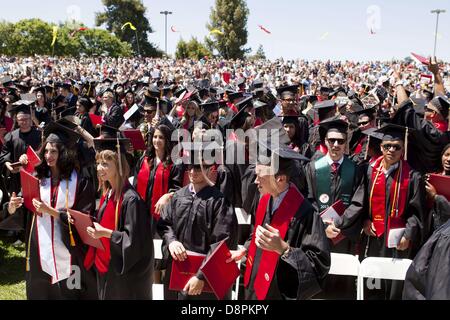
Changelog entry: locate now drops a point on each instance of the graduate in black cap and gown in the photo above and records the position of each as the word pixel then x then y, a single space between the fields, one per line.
pixel 332 178
pixel 125 268
pixel 197 217
pixel 17 142
pixel 54 248
pixel 288 255
pixel 396 200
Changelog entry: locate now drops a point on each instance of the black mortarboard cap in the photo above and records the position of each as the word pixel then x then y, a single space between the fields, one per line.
pixel 327 104
pixel 57 133
pixel 203 92
pixel 210 107
pixel 200 152
pixel 240 81
pixel 234 96
pixel 259 104
pixel 244 103
pixel 150 102
pixel 6 81
pixel 368 111
pixel 373 133
pixel 108 131
pixel 441 104
pixel 393 132
pixel 334 124
pixel 293 89
pixel 291 119
pixel 153 91
pixel 258 83
pixel 21 106
pixel 102 144
pixel 326 90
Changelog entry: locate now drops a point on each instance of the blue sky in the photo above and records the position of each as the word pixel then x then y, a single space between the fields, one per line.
pixel 318 29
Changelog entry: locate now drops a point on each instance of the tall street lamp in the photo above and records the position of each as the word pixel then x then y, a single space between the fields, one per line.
pixel 438 12
pixel 166 13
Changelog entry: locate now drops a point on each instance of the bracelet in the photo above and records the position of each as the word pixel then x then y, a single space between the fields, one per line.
pixel 286 252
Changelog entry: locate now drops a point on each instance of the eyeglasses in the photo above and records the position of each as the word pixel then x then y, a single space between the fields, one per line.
pixel 363 123
pixel 388 147
pixel 333 141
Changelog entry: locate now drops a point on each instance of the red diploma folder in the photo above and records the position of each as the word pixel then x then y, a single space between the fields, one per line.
pixel 182 271
pixel 95 119
pixel 441 184
pixel 82 222
pixel 336 210
pixel 30 190
pixel 421 59
pixel 33 160
pixel 136 139
pixel 220 274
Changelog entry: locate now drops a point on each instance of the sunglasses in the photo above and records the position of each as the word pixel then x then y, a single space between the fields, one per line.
pixel 363 123
pixel 388 147
pixel 149 111
pixel 339 141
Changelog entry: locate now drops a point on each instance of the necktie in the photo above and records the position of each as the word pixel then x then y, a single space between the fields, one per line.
pixel 335 167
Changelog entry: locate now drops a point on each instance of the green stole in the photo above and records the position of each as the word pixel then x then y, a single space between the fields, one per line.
pixel 323 182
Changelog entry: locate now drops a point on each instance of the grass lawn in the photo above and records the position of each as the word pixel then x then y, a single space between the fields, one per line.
pixel 12 271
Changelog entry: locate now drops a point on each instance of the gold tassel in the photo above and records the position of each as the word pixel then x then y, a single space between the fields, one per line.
pixel 367 148
pixel 72 239
pixel 27 265
pixel 406 144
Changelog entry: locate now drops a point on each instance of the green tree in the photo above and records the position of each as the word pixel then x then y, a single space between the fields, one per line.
pixel 98 42
pixel 34 36
pixel 119 12
pixel 260 54
pixel 193 49
pixel 230 17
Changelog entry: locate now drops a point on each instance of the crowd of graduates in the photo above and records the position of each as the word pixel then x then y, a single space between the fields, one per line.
pixel 360 138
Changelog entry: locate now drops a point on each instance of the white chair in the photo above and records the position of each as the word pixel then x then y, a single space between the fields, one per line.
pixel 158 289
pixel 157 247
pixel 344 264
pixel 235 292
pixel 242 216
pixel 381 268
pixel 158 292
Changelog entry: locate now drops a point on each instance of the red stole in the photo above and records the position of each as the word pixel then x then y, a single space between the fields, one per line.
pixel 398 194
pixel 99 257
pixel 232 107
pixel 322 148
pixel 442 126
pixel 269 260
pixel 160 184
pixel 359 147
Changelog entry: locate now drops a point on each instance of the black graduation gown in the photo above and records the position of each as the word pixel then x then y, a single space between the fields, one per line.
pixel 38 283
pixel 43 115
pixel 301 275
pixel 87 125
pixel 16 144
pixel 130 273
pixel 428 277
pixel 175 179
pixel 426 143
pixel 199 222
pixel 418 226
pixel 337 287
pixel 114 117
pixel 440 211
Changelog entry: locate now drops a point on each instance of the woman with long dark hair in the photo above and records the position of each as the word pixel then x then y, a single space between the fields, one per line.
pixel 40 113
pixel 156 178
pixel 125 268
pixel 83 107
pixel 438 204
pixel 54 249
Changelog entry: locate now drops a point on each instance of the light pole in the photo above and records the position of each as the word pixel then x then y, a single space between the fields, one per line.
pixel 166 13
pixel 438 12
